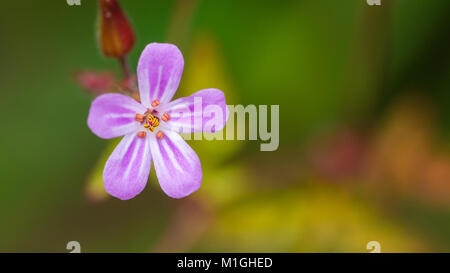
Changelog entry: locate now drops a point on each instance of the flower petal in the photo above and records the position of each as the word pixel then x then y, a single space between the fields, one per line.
pixel 127 169
pixel 113 115
pixel 177 166
pixel 159 72
pixel 198 112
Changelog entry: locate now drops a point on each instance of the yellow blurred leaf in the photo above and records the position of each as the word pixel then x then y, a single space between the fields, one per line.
pixel 316 218
pixel 94 188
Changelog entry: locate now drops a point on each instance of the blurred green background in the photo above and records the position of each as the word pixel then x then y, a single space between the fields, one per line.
pixel 364 95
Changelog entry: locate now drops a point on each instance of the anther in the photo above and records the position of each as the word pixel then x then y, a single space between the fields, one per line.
pixel 155 103
pixel 160 135
pixel 140 117
pixel 165 117
pixel 142 134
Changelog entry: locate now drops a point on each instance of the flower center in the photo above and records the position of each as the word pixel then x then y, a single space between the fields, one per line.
pixel 151 122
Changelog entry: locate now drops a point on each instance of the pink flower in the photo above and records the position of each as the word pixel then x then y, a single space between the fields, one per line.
pixel 150 128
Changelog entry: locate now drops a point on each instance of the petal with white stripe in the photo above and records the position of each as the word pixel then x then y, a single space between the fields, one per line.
pixel 159 72
pixel 114 115
pixel 127 169
pixel 203 111
pixel 177 166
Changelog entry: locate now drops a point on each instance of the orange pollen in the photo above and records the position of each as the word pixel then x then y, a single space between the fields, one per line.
pixel 140 117
pixel 165 117
pixel 155 103
pixel 142 134
pixel 160 135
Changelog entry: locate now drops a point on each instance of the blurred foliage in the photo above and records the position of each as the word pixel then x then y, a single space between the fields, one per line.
pixel 364 95
pixel 312 218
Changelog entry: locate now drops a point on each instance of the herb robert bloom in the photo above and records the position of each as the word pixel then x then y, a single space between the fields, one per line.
pixel 150 127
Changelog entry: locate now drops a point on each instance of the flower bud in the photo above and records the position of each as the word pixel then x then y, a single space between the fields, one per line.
pixel 115 34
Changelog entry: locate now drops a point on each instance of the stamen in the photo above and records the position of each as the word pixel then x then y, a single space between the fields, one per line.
pixel 155 103
pixel 152 123
pixel 160 135
pixel 142 134
pixel 140 117
pixel 165 117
